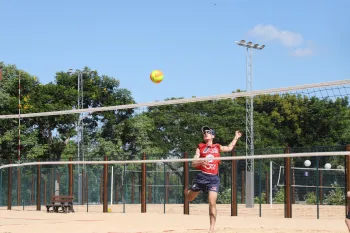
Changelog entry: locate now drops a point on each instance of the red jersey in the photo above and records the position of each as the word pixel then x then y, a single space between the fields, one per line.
pixel 209 152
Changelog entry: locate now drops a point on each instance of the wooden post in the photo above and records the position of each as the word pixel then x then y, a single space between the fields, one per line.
pixel 9 187
pixel 38 187
pixel 233 185
pixel 105 177
pixel 243 189
pixel 143 185
pixel 185 175
pixel 70 174
pixel 347 169
pixel 287 182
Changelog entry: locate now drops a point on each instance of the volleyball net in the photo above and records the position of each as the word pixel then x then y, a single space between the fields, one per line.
pixel 137 157
pixel 157 185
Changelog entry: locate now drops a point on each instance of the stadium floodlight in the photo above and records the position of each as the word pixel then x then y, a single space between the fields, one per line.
pixel 249 45
pixel 249 122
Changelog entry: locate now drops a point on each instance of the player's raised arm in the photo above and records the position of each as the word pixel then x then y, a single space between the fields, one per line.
pixel 232 144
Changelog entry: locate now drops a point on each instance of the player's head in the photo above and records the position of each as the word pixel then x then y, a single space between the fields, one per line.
pixel 208 133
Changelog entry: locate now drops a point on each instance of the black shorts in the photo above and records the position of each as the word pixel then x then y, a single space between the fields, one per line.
pixel 348 215
pixel 206 182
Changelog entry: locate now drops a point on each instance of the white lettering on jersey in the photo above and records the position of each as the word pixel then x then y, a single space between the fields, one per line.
pixel 210 150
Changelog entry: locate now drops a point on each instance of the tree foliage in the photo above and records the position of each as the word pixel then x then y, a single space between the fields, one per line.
pixel 161 131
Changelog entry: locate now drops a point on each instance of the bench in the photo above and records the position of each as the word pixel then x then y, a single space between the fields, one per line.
pixel 65 202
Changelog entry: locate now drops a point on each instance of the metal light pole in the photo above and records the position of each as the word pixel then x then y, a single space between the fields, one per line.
pixel 249 122
pixel 80 126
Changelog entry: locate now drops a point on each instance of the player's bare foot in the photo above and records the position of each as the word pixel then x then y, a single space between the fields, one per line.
pixel 186 191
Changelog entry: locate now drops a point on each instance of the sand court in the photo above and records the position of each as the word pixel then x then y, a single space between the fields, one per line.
pixel 272 220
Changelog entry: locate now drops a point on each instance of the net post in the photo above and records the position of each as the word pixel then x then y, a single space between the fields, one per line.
pixel 287 191
pixel 116 190
pixel 101 187
pixel 105 177
pixel 1 197
pixel 259 175
pixel 58 178
pixel 18 186
pixel 242 189
pixel 33 190
pixel 143 185
pixel 167 187
pixel 185 175
pixel 321 184
pixel 52 191
pixel 317 187
pixel 132 188
pixel 149 193
pixel 45 190
pixel 347 173
pixel 70 174
pixel 82 186
pixel 267 187
pixel 233 185
pixel 9 187
pixel 87 189
pixel 293 186
pixel 164 188
pixel 38 187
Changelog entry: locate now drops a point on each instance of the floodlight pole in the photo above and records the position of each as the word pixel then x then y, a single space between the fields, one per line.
pixel 80 127
pixel 249 122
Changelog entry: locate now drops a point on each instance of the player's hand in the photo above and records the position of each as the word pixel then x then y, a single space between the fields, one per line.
pixel 205 162
pixel 238 134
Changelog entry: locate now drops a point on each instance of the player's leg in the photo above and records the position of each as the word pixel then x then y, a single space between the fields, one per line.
pixel 347 219
pixel 213 190
pixel 212 197
pixel 191 195
pixel 196 187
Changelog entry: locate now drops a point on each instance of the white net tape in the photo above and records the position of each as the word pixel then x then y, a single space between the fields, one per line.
pixel 270 156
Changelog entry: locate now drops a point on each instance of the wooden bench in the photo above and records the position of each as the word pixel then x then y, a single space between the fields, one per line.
pixel 65 202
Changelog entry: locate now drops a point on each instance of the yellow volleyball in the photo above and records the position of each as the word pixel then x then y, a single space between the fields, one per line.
pixel 156 76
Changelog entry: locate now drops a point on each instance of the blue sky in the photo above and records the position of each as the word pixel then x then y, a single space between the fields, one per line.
pixel 191 41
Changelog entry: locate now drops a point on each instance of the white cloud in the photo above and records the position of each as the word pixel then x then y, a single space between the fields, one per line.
pixel 287 38
pixel 302 52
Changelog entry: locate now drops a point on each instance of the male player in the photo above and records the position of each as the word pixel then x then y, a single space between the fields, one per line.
pixel 208 180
